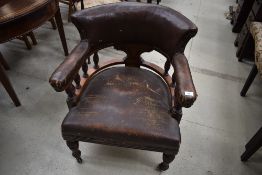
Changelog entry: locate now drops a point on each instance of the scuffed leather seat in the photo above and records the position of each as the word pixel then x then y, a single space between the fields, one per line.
pixel 127 106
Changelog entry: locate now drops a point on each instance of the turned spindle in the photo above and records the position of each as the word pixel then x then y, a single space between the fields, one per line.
pixel 70 91
pixel 77 81
pixel 96 60
pixel 74 147
pixel 85 69
pixel 167 159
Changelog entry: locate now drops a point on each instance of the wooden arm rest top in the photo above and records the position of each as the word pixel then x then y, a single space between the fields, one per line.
pixel 68 69
pixel 185 92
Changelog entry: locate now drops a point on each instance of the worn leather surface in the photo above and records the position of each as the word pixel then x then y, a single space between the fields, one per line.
pixel 124 105
pixel 165 29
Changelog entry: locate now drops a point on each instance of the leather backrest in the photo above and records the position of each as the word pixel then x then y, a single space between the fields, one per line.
pixel 163 28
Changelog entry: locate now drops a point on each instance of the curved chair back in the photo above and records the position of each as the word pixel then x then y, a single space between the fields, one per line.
pixel 159 27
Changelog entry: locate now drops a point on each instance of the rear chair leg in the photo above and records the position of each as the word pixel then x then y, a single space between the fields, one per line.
pixel 74 147
pixel 167 159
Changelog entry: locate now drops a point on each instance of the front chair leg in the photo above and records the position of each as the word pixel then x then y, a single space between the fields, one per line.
pixel 167 159
pixel 82 4
pixel 74 147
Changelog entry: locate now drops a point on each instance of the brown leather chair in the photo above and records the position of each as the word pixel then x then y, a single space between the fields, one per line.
pixel 121 102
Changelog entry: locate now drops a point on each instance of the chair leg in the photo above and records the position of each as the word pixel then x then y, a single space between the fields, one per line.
pixel 52 21
pixel 82 4
pixel 249 80
pixel 74 147
pixel 8 87
pixel 167 159
pixel 27 43
pixel 60 27
pixel 32 36
pixel 70 10
pixel 3 62
pixel 252 146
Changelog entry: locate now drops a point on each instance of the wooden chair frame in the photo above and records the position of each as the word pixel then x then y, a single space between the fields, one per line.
pixel 180 84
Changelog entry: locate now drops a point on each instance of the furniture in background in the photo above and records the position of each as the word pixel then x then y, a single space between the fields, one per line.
pixel 256 32
pixel 71 6
pixel 256 142
pixel 32 36
pixel 244 40
pixel 121 102
pixel 25 39
pixel 17 19
pixel 252 146
pixel 240 14
pixel 6 82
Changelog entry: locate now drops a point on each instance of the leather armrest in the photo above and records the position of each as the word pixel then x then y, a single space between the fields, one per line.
pixel 68 69
pixel 185 92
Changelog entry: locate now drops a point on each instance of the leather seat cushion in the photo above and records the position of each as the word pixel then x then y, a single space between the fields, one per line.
pixel 127 107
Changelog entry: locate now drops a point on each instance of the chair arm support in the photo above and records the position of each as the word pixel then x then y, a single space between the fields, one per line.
pixel 67 70
pixel 185 92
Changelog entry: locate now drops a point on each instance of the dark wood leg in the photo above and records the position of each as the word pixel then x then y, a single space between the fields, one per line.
pixel 70 10
pixel 77 81
pixel 8 86
pixel 60 27
pixel 27 43
pixel 158 1
pixel 249 80
pixel 82 4
pixel 167 159
pixel 85 69
pixel 252 146
pixel 96 60
pixel 3 62
pixel 52 21
pixel 32 36
pixel 74 147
